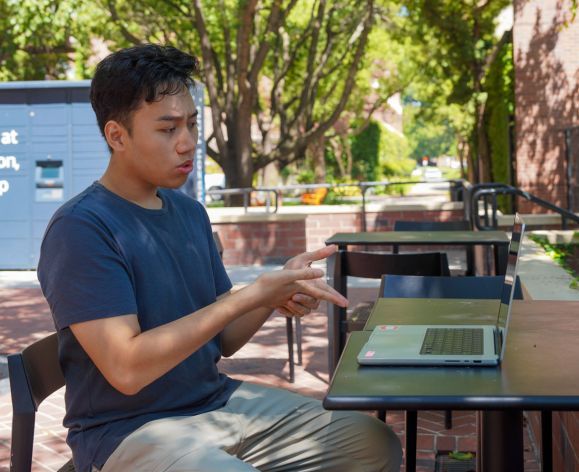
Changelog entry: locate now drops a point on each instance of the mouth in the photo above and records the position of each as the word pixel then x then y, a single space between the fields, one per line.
pixel 186 167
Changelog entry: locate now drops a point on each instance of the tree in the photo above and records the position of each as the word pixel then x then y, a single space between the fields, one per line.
pixel 278 73
pixel 35 39
pixel 459 45
pixel 385 71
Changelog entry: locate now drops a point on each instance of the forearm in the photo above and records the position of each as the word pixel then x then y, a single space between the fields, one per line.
pixel 131 359
pixel 237 333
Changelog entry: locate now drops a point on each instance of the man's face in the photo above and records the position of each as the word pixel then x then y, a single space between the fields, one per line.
pixel 161 145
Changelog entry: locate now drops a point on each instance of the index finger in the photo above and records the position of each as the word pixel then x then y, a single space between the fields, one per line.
pixel 318 254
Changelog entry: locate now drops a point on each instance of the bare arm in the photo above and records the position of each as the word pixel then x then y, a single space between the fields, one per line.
pixel 237 333
pixel 131 359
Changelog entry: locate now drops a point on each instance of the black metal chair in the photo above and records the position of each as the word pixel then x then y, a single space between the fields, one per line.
pixel 460 225
pixel 481 287
pixel 34 375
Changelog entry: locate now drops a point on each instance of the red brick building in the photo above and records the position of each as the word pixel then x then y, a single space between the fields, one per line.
pixel 546 57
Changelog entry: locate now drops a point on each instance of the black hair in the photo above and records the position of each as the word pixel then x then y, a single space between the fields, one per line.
pixel 127 77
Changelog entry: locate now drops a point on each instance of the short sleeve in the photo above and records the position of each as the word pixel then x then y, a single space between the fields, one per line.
pixel 82 272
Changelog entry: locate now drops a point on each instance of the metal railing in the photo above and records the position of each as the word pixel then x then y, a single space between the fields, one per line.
pixel 274 194
pixel 484 197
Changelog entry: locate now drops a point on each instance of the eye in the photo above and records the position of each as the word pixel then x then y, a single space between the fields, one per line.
pixel 169 130
pixel 192 125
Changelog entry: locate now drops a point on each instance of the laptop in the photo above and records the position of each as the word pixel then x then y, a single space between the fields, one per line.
pixel 438 345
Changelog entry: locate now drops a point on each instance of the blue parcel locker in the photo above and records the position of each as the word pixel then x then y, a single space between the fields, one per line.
pixel 50 150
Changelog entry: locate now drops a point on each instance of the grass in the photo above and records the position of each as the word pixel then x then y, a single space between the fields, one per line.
pixel 562 254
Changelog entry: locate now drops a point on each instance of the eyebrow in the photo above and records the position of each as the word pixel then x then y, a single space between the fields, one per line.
pixel 177 117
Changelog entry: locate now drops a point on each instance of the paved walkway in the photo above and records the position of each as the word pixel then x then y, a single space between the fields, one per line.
pixel 24 317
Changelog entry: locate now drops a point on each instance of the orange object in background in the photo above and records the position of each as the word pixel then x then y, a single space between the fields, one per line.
pixel 316 197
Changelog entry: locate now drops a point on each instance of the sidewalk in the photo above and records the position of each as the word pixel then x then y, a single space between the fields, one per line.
pixel 24 317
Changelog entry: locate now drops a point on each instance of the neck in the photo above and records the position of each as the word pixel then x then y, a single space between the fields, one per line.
pixel 143 195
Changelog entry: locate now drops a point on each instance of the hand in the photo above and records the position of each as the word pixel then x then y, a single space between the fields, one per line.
pixel 302 304
pixel 276 289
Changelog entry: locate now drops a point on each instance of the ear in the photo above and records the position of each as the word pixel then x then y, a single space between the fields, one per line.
pixel 116 135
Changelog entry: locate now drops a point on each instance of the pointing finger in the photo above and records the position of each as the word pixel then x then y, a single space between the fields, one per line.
pixel 306 258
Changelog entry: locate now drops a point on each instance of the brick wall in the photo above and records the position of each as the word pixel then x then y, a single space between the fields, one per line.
pixel 565 438
pixel 263 239
pixel 546 60
pixel 546 57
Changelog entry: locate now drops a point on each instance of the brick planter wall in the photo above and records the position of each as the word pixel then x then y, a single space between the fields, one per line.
pixel 272 239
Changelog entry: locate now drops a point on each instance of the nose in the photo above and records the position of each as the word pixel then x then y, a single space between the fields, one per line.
pixel 187 141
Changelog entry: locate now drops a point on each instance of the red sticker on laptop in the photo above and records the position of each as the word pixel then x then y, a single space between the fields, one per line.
pixel 369 354
pixel 387 327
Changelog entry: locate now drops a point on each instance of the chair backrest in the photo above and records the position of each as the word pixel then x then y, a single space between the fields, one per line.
pixel 374 264
pixel 460 225
pixel 34 374
pixel 480 287
pixel 343 264
pixel 218 243
pixel 404 225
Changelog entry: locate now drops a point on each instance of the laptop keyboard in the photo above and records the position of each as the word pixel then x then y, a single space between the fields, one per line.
pixel 453 341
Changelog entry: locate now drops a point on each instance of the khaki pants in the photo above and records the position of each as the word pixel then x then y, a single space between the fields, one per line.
pixel 264 429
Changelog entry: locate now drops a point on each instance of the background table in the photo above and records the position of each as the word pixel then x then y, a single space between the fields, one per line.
pixel 540 372
pixel 497 239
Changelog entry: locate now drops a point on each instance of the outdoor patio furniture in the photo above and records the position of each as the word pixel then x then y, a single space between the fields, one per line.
pixel 539 372
pixel 461 225
pixel 344 264
pixel 409 286
pixel 316 197
pixel 34 375
pixel 499 240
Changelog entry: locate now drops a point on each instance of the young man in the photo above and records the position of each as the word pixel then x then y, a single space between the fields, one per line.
pixel 140 300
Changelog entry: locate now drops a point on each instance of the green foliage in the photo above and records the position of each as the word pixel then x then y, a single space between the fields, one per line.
pixel 365 148
pixel 394 151
pixel 453 44
pixel 431 136
pixel 39 38
pixel 499 85
pixel 499 115
pixel 378 152
pixel 561 254
pixel 306 176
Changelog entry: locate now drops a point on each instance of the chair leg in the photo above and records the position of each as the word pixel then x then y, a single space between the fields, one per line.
pixel 411 433
pixel 546 441
pixel 299 339
pixel 290 347
pixel 448 419
pixel 381 415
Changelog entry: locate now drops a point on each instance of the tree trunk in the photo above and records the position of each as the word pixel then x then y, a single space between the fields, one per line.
pixel 317 148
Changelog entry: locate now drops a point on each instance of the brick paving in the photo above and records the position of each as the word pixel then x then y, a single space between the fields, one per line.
pixel 24 317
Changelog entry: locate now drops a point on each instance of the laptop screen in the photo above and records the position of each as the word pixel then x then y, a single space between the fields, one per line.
pixel 508 289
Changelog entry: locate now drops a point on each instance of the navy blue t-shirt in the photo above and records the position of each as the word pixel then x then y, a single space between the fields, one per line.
pixel 104 256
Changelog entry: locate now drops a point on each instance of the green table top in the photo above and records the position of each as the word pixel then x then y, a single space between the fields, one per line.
pixel 421 237
pixel 540 369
